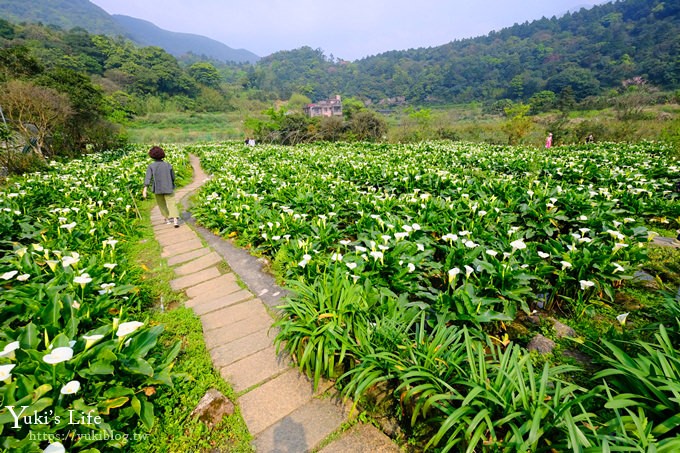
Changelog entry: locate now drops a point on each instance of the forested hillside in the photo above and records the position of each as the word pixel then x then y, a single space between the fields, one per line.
pixel 65 14
pixel 68 14
pixel 64 92
pixel 589 51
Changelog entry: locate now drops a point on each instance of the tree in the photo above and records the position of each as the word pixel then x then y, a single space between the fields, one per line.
pixel 296 128
pixel 88 108
pixel 205 74
pixel 518 124
pixel 331 128
pixel 367 126
pixel 6 29
pixel 35 111
pixel 18 61
pixel 542 101
pixel 350 106
pixel 297 102
pixel 636 95
pixel 581 81
pixel 417 125
pixel 517 87
pixel 566 100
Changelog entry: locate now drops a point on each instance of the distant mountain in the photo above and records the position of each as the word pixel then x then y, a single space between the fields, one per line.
pixel 68 14
pixel 148 34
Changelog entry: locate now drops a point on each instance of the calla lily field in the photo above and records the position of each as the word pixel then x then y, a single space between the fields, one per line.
pixel 79 355
pixel 408 262
pixel 406 266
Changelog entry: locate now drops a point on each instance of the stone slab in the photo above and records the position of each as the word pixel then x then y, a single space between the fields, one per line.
pixel 303 429
pixel 236 350
pixel 211 286
pixel 182 247
pixel 666 242
pixel 226 289
pixel 236 312
pixel 362 438
pixel 231 331
pixel 163 232
pixel 255 369
pixel 275 399
pixel 199 264
pixel 175 236
pixel 194 279
pixel 202 306
pixel 188 256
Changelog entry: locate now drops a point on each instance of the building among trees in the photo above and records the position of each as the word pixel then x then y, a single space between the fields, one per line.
pixel 328 107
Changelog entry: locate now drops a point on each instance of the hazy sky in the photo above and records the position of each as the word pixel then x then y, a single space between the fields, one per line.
pixel 348 29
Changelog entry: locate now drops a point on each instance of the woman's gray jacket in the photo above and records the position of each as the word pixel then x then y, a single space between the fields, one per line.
pixel 161 177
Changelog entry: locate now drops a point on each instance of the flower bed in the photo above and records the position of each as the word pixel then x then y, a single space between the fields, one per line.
pixel 79 362
pixel 406 260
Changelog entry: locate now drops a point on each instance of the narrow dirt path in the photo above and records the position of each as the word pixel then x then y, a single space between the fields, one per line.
pixel 278 404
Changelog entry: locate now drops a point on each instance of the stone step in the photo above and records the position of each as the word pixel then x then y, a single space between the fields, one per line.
pixel 233 330
pixel 230 294
pixel 182 247
pixel 304 428
pixel 201 263
pixel 213 286
pixel 226 354
pixel 188 256
pixel 255 369
pixel 223 319
pixel 277 403
pixel 194 279
pixel 173 236
pixel 204 307
pixel 275 399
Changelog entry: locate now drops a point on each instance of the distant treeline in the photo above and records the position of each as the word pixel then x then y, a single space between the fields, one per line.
pixel 589 52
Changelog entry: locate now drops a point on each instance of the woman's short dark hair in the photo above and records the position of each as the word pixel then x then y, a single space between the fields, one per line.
pixel 157 153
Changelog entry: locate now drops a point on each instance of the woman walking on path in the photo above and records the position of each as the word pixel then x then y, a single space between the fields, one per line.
pixel 161 177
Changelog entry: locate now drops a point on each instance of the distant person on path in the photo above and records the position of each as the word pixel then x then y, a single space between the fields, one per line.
pixel 161 177
pixel 548 141
pixel 677 189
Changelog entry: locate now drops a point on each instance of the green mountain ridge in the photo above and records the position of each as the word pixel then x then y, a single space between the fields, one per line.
pixel 588 51
pixel 175 43
pixel 68 14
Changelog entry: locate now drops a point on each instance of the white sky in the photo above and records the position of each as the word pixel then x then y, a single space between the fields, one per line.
pixel 348 29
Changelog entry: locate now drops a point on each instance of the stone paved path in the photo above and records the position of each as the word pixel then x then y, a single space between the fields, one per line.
pixel 278 404
pixel 666 242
